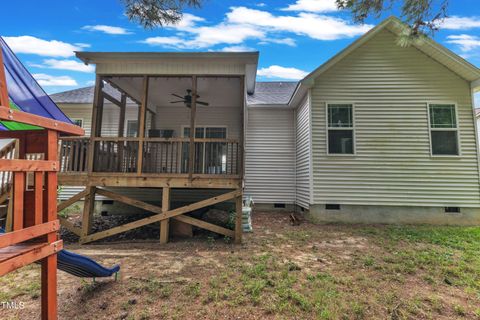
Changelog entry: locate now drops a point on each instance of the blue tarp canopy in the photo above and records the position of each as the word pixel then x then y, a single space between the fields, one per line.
pixel 25 93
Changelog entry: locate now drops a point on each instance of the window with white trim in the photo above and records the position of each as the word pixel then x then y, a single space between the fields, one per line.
pixel 443 129
pixel 340 129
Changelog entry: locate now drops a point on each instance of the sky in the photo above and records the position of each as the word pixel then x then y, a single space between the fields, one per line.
pixel 293 37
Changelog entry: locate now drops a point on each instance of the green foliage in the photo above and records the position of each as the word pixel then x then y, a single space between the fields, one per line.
pixel 157 13
pixel 423 16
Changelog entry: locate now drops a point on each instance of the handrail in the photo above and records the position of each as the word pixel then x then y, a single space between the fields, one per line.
pixel 213 156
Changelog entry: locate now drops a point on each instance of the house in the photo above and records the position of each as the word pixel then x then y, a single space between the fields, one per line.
pixel 378 134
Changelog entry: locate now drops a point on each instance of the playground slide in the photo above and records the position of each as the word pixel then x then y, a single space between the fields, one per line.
pixel 82 266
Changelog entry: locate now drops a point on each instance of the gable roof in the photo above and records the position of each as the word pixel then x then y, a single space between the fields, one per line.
pixel 431 48
pixel 272 93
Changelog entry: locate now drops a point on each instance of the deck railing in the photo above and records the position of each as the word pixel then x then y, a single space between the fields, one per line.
pixel 159 156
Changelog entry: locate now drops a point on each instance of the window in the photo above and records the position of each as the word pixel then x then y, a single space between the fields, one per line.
pixel 210 158
pixel 78 122
pixel 132 128
pixel 340 129
pixel 443 129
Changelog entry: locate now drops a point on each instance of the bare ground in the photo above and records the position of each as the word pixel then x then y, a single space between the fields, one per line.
pixel 279 272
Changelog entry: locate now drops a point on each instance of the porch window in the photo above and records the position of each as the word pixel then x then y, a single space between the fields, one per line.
pixel 340 129
pixel 132 128
pixel 210 157
pixel 443 129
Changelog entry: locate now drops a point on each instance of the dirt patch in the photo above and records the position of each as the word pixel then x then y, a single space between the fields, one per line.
pixel 279 272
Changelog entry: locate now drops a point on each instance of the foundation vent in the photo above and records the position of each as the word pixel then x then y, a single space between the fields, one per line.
pixel 330 206
pixel 452 210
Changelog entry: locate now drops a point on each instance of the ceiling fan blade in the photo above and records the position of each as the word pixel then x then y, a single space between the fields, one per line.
pixel 177 101
pixel 203 103
pixel 176 95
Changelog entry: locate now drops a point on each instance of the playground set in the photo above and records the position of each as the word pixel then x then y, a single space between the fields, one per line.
pixel 28 115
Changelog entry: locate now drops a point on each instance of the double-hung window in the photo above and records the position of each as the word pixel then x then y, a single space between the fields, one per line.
pixel 340 129
pixel 443 129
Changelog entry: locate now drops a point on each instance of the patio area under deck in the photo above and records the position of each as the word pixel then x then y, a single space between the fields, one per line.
pixel 160 150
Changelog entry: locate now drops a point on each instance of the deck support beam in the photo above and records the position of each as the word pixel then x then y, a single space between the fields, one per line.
pixel 161 215
pixel 165 224
pixel 88 211
pixel 238 219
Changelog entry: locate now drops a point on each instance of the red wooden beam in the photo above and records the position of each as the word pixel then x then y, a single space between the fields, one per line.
pixel 47 123
pixel 30 253
pixel 14 237
pixel 23 165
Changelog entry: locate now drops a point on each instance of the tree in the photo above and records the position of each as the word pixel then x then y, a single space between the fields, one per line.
pixel 423 16
pixel 156 13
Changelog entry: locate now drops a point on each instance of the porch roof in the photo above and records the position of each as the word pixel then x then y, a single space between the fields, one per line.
pixel 175 63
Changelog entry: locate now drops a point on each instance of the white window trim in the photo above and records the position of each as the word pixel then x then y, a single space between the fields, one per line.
pixel 457 129
pixel 204 126
pixel 353 128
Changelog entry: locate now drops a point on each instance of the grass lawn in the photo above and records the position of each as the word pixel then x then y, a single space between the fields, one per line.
pixel 280 272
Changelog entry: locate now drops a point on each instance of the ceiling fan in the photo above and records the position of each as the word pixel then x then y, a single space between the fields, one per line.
pixel 187 99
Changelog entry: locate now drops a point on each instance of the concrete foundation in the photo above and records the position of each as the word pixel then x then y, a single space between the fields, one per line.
pixel 394 215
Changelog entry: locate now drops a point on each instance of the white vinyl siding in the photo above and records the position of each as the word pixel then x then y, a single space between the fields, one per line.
pixel 270 155
pixel 302 159
pixel 174 118
pixel 111 116
pixel 391 87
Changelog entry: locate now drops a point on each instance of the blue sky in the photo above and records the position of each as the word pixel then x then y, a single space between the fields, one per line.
pixel 293 37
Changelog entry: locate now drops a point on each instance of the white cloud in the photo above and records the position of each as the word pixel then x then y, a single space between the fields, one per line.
pixel 71 65
pixel 313 6
pixel 204 37
pixel 90 83
pixel 282 73
pixel 165 42
pixel 261 4
pixel 286 41
pixel 107 29
pixel 237 49
pixel 460 23
pixel 312 25
pixel 188 21
pixel 48 48
pixel 48 80
pixel 242 24
pixel 464 41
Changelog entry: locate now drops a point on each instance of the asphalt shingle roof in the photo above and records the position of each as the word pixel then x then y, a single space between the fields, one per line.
pixel 83 95
pixel 278 92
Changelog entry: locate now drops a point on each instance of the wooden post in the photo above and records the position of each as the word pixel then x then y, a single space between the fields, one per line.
pixel 238 220
pixel 141 124
pixel 49 264
pixel 96 121
pixel 121 129
pixel 193 111
pixel 165 224
pixel 88 211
